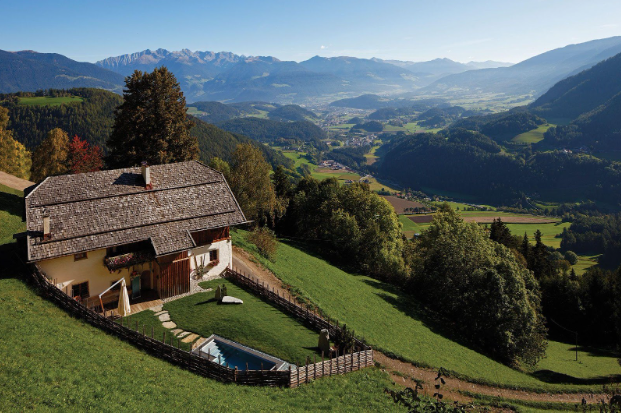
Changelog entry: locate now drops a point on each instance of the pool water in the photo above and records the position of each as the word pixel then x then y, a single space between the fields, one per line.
pixel 223 351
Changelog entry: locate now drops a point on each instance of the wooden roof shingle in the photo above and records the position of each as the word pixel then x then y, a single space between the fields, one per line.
pixel 107 208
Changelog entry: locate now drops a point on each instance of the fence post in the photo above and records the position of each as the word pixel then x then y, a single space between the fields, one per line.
pixel 330 363
pixel 235 373
pixel 164 337
pixel 323 366
pixel 298 370
pixel 289 374
pixel 315 367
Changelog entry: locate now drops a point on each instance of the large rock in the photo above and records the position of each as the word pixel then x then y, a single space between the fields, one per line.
pixel 227 299
pixel 324 341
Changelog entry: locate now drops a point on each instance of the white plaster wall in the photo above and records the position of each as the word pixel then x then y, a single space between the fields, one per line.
pixel 65 272
pixel 225 255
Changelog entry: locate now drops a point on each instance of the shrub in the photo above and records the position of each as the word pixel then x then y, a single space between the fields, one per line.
pixel 265 241
pixel 572 257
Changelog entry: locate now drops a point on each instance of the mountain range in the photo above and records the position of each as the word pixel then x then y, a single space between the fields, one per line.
pixel 28 71
pixel 228 77
pixel 532 76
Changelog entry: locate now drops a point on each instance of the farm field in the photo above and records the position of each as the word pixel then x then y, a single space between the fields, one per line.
pixel 400 204
pixel 49 101
pixel 323 173
pixel 534 135
pixel 52 361
pixel 392 322
pixel 255 323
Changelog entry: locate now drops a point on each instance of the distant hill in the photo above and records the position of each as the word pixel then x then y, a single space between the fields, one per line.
pixel 432 70
pixel 583 92
pixel 91 119
pixel 535 75
pixel 371 101
pixel 291 113
pixel 213 112
pixel 592 100
pixel 275 132
pixel 501 126
pixel 364 74
pixel 470 163
pixel 213 141
pixel 29 71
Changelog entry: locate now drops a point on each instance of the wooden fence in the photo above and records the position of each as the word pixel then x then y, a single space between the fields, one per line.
pixel 202 366
pixel 345 363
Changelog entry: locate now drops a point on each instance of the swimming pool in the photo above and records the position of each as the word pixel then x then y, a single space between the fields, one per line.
pixel 220 350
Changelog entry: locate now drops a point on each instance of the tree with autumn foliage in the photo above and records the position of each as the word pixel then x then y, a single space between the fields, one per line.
pixel 50 158
pixel 151 124
pixel 14 157
pixel 83 157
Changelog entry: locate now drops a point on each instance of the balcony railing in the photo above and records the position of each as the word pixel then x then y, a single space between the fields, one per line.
pixel 116 262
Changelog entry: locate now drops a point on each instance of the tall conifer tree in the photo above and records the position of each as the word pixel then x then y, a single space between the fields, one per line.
pixel 151 123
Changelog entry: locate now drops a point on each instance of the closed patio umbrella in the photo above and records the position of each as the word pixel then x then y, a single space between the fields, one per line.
pixel 124 308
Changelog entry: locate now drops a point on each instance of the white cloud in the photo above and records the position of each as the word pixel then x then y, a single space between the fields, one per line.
pixel 323 47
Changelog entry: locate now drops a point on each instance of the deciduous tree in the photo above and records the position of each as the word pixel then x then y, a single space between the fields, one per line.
pixel 151 123
pixel 50 158
pixel 15 159
pixel 84 157
pixel 250 181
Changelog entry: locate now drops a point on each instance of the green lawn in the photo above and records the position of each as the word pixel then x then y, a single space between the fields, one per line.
pixel 11 201
pixel 392 321
pixel 549 232
pixel 534 135
pixel 255 323
pixel 47 100
pixel 52 361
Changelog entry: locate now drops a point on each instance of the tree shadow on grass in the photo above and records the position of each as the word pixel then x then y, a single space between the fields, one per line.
pixel 439 325
pixel 553 377
pixel 11 203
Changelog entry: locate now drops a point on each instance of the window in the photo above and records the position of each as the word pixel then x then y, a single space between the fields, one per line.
pixel 213 255
pixel 80 256
pixel 80 290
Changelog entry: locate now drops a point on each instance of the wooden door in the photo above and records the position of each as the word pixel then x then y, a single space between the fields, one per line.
pixel 174 276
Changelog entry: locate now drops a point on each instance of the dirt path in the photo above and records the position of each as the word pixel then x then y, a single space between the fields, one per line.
pixel 406 374
pixel 14 182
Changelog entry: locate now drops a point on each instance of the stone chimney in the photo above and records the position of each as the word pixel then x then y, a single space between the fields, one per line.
pixel 146 174
pixel 47 233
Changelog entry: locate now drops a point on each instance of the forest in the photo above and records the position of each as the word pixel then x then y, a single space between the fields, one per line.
pixel 468 163
pixel 277 133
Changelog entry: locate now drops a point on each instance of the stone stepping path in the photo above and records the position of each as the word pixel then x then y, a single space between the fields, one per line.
pixel 190 338
pixel 186 336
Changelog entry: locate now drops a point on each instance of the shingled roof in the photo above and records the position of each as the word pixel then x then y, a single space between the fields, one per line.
pixel 108 208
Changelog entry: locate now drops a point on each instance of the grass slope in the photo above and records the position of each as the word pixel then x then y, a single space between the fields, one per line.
pixel 10 213
pixel 255 323
pixel 51 361
pixel 392 321
pixel 48 100
pixel 534 135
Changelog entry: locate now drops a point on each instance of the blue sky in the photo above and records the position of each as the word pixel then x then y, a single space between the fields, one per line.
pixel 297 30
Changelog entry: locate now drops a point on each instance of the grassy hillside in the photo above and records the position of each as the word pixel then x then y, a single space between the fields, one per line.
pixel 393 322
pixel 10 213
pixel 49 100
pixel 52 361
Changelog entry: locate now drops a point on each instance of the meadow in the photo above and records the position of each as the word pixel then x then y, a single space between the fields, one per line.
pixel 393 322
pixel 255 323
pixel 324 173
pixel 52 361
pixel 534 135
pixel 49 101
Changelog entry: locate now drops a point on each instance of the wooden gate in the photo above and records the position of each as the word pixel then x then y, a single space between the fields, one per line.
pixel 174 275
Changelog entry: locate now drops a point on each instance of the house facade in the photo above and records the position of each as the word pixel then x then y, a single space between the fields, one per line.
pixel 156 226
